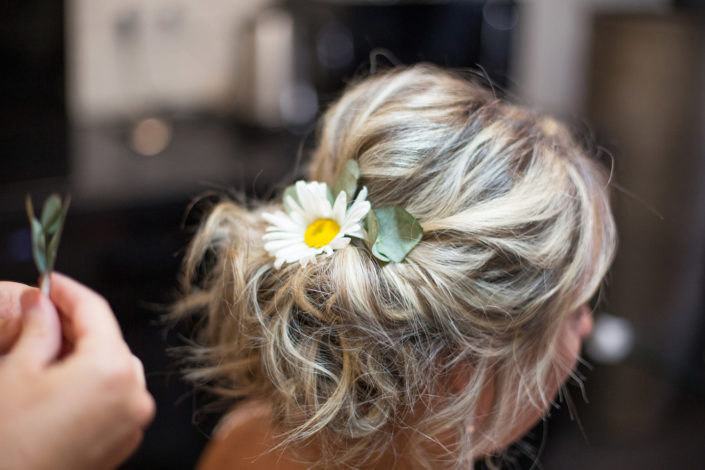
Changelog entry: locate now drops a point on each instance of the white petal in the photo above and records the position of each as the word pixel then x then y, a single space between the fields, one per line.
pixel 279 219
pixel 339 243
pixel 303 193
pixel 272 217
pixel 291 202
pixel 323 207
pixel 294 252
pixel 282 236
pixel 302 221
pixel 302 211
pixel 323 197
pixel 306 259
pixel 326 210
pixel 362 194
pixel 314 201
pixel 359 232
pixel 360 207
pixel 358 210
pixel 307 195
pixel 352 229
pixel 320 190
pixel 339 207
pixel 278 245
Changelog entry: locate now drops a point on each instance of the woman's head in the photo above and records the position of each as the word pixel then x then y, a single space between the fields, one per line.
pixel 464 340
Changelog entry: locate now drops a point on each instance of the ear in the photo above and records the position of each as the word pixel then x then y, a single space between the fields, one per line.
pixel 583 321
pixel 575 328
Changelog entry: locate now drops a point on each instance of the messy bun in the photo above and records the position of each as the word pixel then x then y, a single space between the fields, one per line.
pixel 517 234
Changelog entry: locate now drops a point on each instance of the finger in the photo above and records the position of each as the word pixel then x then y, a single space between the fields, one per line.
pixel 88 319
pixel 139 370
pixel 10 313
pixel 147 411
pixel 40 337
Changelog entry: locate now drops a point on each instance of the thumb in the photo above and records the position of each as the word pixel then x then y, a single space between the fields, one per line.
pixel 40 339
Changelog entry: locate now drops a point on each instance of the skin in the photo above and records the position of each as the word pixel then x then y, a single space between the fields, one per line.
pixel 244 437
pixel 73 395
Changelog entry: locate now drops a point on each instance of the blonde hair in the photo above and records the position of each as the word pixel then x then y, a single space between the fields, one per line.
pixel 517 234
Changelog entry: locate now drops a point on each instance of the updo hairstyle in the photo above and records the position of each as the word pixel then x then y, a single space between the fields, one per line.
pixel 348 350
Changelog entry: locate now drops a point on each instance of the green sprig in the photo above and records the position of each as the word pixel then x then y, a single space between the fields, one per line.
pixel 46 235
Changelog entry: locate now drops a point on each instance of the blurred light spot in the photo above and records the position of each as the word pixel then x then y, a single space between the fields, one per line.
pixel 150 136
pixel 334 46
pixel 299 104
pixel 612 339
pixel 19 245
pixel 500 15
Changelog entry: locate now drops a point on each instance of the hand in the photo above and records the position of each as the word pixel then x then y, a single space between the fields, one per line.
pixel 83 410
pixel 10 313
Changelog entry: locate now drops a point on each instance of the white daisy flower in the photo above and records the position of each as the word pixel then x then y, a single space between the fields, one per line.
pixel 313 226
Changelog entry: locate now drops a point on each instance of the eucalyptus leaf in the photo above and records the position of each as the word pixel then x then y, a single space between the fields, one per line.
pixel 399 232
pixel 53 247
pixel 38 240
pixel 42 243
pixel 39 259
pixel 290 191
pixel 37 230
pixel 347 181
pixel 51 214
pixel 378 255
pixel 372 229
pixel 39 251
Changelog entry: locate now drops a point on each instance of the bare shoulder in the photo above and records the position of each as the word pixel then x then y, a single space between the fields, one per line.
pixel 244 440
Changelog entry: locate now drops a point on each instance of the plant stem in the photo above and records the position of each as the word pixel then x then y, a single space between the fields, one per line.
pixel 44 284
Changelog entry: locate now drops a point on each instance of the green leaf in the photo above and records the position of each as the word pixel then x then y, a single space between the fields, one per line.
pixel 372 229
pixel 378 255
pixel 40 260
pixel 54 242
pixel 347 181
pixel 37 231
pixel 38 245
pixel 52 250
pixel 290 191
pixel 51 214
pixel 399 232
pixel 42 243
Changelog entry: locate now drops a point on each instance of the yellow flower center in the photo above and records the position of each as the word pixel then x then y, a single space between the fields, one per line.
pixel 321 232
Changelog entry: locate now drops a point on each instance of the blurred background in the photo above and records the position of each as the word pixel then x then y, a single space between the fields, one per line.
pixel 135 107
